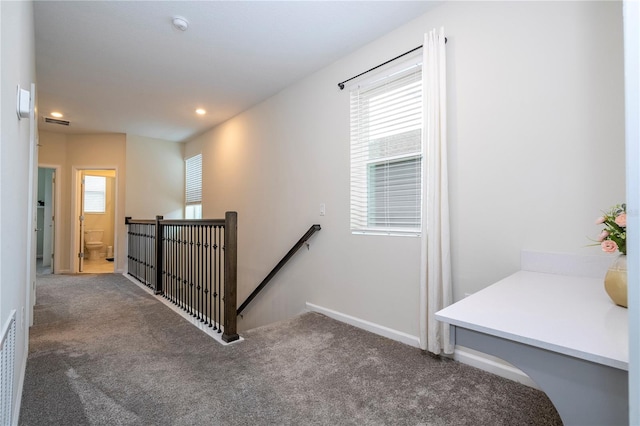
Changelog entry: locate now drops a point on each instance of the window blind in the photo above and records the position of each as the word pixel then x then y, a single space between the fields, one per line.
pixel 386 154
pixel 95 191
pixel 193 180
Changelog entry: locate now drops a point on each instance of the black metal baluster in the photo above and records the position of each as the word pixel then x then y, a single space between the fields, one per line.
pixel 174 265
pixel 177 261
pixel 185 267
pixel 185 264
pixel 201 275
pixel 180 265
pixel 221 231
pixel 152 258
pixel 199 271
pixel 165 258
pixel 134 250
pixel 216 272
pixel 212 279
pixel 190 269
pixel 176 247
pixel 192 283
pixel 205 276
pixel 145 256
pixel 137 260
pixel 167 262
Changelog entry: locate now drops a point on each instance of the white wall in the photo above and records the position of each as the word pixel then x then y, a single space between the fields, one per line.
pixel 536 126
pixel 18 67
pixel 155 167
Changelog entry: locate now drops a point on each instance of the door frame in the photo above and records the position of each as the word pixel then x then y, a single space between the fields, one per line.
pixel 76 181
pixel 32 237
pixel 57 213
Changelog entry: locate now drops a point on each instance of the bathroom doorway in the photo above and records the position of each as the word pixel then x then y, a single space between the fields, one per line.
pixel 46 229
pixel 96 201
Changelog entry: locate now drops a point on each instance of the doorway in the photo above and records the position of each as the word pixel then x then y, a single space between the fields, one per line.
pixel 45 242
pixel 96 201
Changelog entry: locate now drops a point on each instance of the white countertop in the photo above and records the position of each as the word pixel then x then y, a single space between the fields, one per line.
pixel 566 314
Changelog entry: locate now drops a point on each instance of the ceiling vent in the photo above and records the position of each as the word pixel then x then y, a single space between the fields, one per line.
pixel 56 121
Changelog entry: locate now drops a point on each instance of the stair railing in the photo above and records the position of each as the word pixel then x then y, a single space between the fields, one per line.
pixel 274 271
pixel 192 263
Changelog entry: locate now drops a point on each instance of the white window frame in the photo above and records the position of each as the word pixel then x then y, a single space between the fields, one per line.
pixel 386 130
pixel 95 195
pixel 193 187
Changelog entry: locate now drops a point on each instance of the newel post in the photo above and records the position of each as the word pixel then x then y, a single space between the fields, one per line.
pixel 159 254
pixel 126 222
pixel 230 276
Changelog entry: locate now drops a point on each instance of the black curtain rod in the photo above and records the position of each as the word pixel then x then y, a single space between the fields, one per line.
pixel 341 85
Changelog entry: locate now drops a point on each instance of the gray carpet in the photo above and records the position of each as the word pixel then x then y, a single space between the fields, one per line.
pixel 104 352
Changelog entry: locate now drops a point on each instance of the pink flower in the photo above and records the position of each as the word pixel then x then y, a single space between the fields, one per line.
pixel 603 235
pixel 600 220
pixel 609 246
pixel 621 220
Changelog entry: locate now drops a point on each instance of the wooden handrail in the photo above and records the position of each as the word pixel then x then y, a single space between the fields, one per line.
pixel 274 271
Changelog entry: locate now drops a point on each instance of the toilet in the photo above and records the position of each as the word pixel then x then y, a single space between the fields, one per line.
pixel 93 243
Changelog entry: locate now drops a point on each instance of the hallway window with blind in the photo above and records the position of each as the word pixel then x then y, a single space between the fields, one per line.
pixel 193 187
pixel 386 154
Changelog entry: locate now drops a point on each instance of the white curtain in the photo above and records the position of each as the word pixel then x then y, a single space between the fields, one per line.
pixel 435 270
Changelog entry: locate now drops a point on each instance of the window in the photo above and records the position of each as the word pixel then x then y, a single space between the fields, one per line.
pixel 193 187
pixel 95 194
pixel 386 154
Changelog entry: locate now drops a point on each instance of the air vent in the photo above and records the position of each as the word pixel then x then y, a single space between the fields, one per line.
pixel 56 121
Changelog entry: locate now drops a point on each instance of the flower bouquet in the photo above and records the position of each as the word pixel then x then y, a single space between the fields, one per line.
pixel 614 235
pixel 614 238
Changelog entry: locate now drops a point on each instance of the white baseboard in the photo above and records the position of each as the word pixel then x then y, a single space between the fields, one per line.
pixel 380 330
pixel 464 355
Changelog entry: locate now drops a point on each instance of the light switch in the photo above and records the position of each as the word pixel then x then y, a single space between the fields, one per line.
pixel 322 209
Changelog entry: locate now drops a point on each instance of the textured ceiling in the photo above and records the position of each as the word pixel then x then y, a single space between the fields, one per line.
pixel 119 66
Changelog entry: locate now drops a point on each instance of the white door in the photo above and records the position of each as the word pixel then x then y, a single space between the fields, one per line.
pixel 53 220
pixel 48 221
pixel 81 219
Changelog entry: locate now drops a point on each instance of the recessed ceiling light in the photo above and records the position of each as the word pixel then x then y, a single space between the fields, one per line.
pixel 56 114
pixel 201 111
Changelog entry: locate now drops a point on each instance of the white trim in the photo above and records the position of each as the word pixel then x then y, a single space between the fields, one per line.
pixel 32 222
pixel 380 330
pixel 57 207
pixel 76 172
pixel 631 19
pixel 464 355
pixel 195 322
